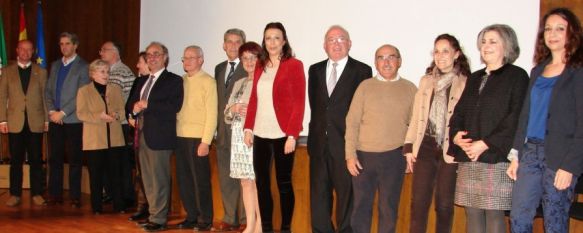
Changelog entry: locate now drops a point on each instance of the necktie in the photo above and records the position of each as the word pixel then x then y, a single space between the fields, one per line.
pixel 483 83
pixel 147 89
pixel 231 72
pixel 332 79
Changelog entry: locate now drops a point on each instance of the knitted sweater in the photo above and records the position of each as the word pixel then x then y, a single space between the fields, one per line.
pixel 379 115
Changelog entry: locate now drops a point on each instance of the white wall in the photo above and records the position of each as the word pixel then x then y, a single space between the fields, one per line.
pixel 411 25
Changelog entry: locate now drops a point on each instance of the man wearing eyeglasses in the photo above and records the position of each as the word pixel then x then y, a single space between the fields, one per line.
pixel 331 85
pixel 155 106
pixel 375 130
pixel 120 74
pixel 66 76
pixel 196 124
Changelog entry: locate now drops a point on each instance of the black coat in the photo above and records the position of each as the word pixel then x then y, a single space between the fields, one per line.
pixel 564 130
pixel 328 114
pixel 491 116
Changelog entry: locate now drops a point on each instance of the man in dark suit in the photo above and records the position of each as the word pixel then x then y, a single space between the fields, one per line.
pixel 331 85
pixel 226 74
pixel 22 91
pixel 155 103
pixel 67 75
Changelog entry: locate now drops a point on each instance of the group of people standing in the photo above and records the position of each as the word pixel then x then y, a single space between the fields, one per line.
pixel 490 141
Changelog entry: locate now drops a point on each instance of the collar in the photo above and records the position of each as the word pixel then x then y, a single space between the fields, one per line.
pixel 68 61
pixel 341 63
pixel 115 65
pixel 381 78
pixel 24 66
pixel 496 71
pixel 157 74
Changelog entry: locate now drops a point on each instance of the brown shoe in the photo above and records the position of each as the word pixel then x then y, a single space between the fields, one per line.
pixel 38 200
pixel 13 201
pixel 55 201
pixel 223 226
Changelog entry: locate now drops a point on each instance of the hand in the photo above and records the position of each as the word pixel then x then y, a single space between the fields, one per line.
pixel 290 145
pixel 203 149
pixel 132 122
pixel 3 127
pixel 475 149
pixel 512 169
pixel 46 128
pixel 353 166
pixel 56 117
pixel 460 141
pixel 563 179
pixel 107 118
pixel 248 139
pixel 140 106
pixel 410 162
pixel 240 109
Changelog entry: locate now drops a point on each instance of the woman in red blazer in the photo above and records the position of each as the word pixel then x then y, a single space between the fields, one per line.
pixel 274 121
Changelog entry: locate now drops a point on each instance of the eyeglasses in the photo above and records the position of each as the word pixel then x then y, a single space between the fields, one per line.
pixel 391 57
pixel 336 39
pixel 103 50
pixel 189 58
pixel 154 55
pixel 249 58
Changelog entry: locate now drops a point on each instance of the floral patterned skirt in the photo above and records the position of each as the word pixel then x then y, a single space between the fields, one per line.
pixel 241 155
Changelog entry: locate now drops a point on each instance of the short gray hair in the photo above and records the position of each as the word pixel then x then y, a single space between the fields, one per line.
pixel 509 41
pixel 235 31
pixel 196 48
pixel 336 26
pixel 72 36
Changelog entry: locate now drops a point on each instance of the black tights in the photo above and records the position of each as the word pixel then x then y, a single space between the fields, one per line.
pixel 485 221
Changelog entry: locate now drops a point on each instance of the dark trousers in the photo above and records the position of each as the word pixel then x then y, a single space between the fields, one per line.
pixel 535 183
pixel 266 150
pixel 21 144
pixel 128 194
pixel 382 171
pixel 100 162
pixel 194 181
pixel 328 174
pixel 65 137
pixel 432 172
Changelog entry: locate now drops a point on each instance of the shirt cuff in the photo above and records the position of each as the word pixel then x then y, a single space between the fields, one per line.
pixel 512 155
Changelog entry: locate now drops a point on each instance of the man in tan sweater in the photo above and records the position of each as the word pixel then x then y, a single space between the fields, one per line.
pixel 376 125
pixel 195 127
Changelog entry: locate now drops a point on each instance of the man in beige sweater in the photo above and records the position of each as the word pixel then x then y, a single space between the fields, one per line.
pixel 195 128
pixel 376 125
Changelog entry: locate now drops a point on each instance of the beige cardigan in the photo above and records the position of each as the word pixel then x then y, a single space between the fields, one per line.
pixel 89 108
pixel 421 107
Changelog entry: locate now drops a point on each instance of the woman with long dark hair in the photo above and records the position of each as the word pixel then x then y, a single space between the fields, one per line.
pixel 427 138
pixel 547 154
pixel 274 121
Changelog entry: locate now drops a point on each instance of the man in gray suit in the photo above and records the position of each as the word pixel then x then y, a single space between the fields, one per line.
pixel 67 75
pixel 226 74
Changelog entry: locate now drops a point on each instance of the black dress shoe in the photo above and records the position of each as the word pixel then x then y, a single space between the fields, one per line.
pixel 203 227
pixel 139 215
pixel 151 227
pixel 185 225
pixel 143 223
pixel 106 199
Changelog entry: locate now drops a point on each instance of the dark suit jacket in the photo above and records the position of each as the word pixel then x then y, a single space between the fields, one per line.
pixel 77 77
pixel 14 102
pixel 564 134
pixel 164 101
pixel 491 116
pixel 289 97
pixel 328 114
pixel 223 92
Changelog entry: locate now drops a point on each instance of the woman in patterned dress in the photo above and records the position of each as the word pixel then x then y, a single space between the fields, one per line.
pixel 241 154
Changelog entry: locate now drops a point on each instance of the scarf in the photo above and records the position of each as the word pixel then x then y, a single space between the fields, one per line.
pixel 438 110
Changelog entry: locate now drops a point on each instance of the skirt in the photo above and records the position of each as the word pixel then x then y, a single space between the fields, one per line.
pixel 483 186
pixel 241 155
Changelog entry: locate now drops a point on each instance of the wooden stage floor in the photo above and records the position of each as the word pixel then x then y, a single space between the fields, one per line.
pixel 28 218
